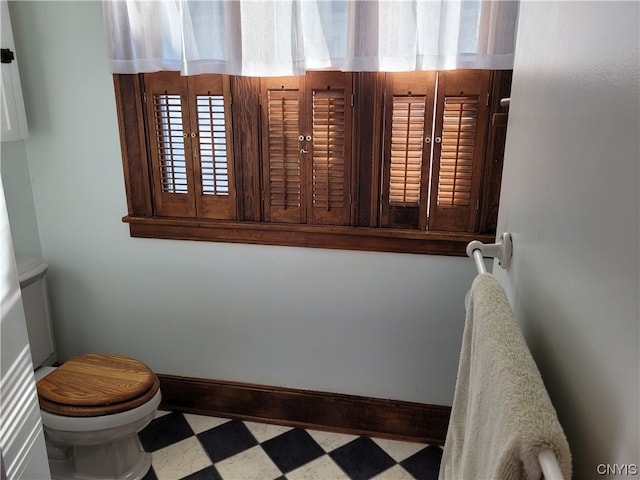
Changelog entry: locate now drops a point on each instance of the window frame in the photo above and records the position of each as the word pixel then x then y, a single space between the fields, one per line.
pixel 362 234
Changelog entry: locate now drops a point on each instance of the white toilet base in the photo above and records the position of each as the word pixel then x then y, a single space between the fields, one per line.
pixel 98 448
pixel 120 460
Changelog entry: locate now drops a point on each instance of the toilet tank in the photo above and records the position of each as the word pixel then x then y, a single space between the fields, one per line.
pixel 32 275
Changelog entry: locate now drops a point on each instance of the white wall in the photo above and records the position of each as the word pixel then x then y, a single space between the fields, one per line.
pixel 571 199
pixel 351 322
pixel 19 196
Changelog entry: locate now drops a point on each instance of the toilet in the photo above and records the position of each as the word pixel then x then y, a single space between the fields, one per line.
pixel 93 405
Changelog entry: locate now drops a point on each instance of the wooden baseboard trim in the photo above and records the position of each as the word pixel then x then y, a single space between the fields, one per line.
pixel 336 412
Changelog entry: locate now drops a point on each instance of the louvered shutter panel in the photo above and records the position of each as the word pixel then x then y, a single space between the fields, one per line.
pixel 283 169
pixel 408 116
pixel 500 85
pixel 169 144
pixel 457 167
pixel 406 159
pixel 329 94
pixel 212 146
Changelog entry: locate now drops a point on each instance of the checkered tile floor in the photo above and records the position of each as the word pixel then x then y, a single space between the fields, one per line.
pixel 196 447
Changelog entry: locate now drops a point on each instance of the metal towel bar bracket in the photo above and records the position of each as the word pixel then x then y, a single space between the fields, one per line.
pixel 501 250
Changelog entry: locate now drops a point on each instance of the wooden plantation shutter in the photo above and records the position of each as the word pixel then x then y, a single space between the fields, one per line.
pixel 283 139
pixel 169 144
pixel 459 149
pixel 500 85
pixel 329 94
pixel 307 158
pixel 408 118
pixel 213 146
pixel 432 167
pixel 190 145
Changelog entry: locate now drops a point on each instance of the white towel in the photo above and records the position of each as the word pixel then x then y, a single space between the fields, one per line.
pixel 502 415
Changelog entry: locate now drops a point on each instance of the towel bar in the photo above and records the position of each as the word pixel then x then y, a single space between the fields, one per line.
pixel 503 251
pixel 549 465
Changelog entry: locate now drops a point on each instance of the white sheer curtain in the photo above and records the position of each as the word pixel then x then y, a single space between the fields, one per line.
pixel 288 37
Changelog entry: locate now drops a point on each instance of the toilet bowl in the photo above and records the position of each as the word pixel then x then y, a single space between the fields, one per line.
pixel 93 407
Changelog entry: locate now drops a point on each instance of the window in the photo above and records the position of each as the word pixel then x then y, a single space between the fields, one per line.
pixel 407 162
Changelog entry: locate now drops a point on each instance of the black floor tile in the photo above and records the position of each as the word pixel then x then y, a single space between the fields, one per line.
pixel 292 449
pixel 226 440
pixel 151 475
pixel 362 459
pixel 424 465
pixel 164 431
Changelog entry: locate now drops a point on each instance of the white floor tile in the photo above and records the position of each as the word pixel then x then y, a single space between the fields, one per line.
pixel 201 423
pixel 179 459
pixel 398 450
pixel 265 431
pixel 252 464
pixel 329 440
pixel 322 468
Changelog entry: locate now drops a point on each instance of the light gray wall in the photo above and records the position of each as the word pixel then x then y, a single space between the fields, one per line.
pixel 375 324
pixel 19 198
pixel 571 200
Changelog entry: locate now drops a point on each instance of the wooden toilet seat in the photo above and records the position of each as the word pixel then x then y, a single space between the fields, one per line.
pixel 92 385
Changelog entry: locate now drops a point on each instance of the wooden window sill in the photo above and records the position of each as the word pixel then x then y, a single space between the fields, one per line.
pixel 334 237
